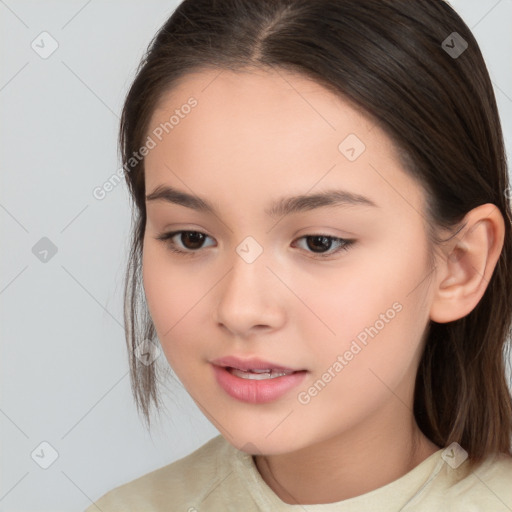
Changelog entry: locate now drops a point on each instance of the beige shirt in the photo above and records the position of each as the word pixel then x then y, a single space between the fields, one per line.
pixel 218 477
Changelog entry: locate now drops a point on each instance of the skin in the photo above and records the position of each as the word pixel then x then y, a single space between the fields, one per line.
pixel 254 137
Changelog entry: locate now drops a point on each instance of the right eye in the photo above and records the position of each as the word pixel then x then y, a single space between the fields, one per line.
pixel 191 241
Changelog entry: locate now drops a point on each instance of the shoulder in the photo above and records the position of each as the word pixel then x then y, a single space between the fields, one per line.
pixel 488 486
pixel 178 484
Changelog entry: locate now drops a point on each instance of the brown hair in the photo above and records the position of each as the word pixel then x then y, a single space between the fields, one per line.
pixel 387 57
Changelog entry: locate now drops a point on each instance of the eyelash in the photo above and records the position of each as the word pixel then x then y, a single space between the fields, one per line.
pixel 167 239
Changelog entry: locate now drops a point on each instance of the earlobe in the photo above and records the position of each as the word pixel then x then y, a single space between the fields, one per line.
pixel 464 272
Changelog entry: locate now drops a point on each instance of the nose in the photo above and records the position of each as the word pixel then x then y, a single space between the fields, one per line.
pixel 251 299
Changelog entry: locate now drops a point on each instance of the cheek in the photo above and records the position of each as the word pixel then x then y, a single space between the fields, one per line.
pixel 371 362
pixel 176 296
pixel 169 292
pixel 343 302
pixel 376 312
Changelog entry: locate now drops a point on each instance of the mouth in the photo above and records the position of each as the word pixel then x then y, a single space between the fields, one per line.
pixel 253 365
pixel 255 381
pixel 255 374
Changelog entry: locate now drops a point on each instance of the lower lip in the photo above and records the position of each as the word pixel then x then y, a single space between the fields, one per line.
pixel 256 391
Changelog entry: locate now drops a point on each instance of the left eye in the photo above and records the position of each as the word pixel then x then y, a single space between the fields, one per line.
pixel 192 241
pixel 321 244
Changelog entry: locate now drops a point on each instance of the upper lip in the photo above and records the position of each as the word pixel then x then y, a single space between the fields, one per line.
pixel 250 364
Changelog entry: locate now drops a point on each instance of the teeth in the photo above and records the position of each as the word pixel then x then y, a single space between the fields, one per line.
pixel 258 374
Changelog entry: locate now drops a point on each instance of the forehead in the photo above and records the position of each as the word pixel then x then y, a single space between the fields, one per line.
pixel 248 96
pixel 262 130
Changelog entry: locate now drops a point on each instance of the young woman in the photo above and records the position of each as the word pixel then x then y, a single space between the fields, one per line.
pixel 323 241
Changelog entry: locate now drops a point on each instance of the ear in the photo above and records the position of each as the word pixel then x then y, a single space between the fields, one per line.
pixel 467 263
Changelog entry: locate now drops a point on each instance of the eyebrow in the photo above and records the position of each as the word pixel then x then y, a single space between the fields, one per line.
pixel 280 207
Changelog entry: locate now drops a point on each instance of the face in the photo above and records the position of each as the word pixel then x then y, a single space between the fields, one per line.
pixel 332 288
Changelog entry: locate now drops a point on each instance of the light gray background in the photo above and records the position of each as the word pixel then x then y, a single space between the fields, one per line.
pixel 64 368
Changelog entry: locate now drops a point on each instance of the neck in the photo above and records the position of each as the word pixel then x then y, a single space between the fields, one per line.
pixel 345 466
